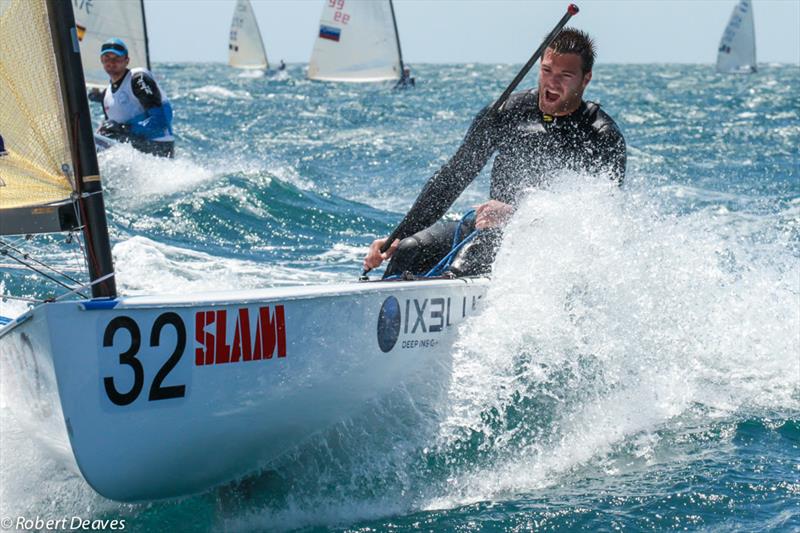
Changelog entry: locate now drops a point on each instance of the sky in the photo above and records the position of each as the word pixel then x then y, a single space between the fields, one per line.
pixel 485 31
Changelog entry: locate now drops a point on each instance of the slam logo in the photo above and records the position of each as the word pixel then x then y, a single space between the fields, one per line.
pixel 389 324
pixel 213 340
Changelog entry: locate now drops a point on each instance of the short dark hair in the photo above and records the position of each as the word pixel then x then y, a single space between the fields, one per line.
pixel 572 41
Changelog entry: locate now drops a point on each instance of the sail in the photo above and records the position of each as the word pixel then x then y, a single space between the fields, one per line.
pixel 356 42
pixel 99 21
pixel 737 48
pixel 49 179
pixel 245 47
pixel 36 166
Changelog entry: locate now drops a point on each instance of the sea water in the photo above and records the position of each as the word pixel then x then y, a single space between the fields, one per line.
pixel 636 364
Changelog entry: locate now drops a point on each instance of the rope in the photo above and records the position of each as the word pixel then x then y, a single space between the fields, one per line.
pixel 20 298
pixel 447 260
pixel 76 237
pixel 28 262
pixel 82 287
pixel 28 257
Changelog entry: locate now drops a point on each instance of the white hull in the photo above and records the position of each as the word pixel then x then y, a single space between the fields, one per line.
pixel 354 80
pixel 219 386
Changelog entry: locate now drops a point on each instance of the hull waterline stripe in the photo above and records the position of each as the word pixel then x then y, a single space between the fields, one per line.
pixel 93 305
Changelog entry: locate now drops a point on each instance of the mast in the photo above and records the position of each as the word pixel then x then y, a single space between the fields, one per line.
pixel 87 175
pixel 397 38
pixel 754 66
pixel 146 38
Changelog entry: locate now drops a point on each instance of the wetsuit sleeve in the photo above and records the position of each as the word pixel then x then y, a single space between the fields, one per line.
pixel 145 89
pixel 613 158
pixel 157 117
pixel 445 186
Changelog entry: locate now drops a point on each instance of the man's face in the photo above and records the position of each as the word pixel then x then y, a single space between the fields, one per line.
pixel 114 65
pixel 561 83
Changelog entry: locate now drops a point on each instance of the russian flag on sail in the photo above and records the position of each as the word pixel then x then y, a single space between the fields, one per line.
pixel 329 32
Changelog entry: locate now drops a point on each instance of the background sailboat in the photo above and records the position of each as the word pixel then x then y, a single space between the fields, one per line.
pixel 97 22
pixel 245 46
pixel 357 42
pixel 737 48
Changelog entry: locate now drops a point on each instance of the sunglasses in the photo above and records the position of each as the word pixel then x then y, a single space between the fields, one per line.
pixel 113 47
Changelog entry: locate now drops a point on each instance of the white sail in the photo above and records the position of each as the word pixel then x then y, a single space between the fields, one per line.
pixel 737 48
pixel 356 42
pixel 245 47
pixel 99 21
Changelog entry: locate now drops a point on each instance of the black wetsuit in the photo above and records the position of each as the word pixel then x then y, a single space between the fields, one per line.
pixel 531 147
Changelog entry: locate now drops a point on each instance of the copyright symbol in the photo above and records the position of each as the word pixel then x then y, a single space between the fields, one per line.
pixel 7 522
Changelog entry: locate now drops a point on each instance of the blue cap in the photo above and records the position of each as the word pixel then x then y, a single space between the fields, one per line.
pixel 114 46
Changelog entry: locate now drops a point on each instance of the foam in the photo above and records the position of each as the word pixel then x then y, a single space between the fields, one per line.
pixel 135 178
pixel 182 270
pixel 617 320
pixel 221 93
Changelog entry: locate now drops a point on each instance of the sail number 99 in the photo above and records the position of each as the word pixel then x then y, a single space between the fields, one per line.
pixel 339 15
pixel 128 358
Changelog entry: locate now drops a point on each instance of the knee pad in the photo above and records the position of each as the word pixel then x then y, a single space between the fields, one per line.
pixel 409 245
pixel 477 256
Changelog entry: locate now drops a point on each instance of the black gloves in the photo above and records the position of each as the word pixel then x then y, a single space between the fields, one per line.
pixel 115 130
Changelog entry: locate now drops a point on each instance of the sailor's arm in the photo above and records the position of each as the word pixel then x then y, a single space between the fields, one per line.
pixel 492 214
pixel 110 128
pixel 96 94
pixel 157 117
pixel 444 187
pixel 613 152
pixel 145 90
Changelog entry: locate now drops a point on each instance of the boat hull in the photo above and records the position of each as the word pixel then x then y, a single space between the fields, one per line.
pixel 162 398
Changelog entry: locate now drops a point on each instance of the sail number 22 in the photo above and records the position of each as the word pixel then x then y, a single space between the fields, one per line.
pixel 157 391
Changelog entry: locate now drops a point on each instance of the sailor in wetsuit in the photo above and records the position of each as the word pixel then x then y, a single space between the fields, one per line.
pixel 405 80
pixel 535 135
pixel 136 108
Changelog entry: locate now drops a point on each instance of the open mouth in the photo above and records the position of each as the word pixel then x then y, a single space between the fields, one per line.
pixel 550 97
